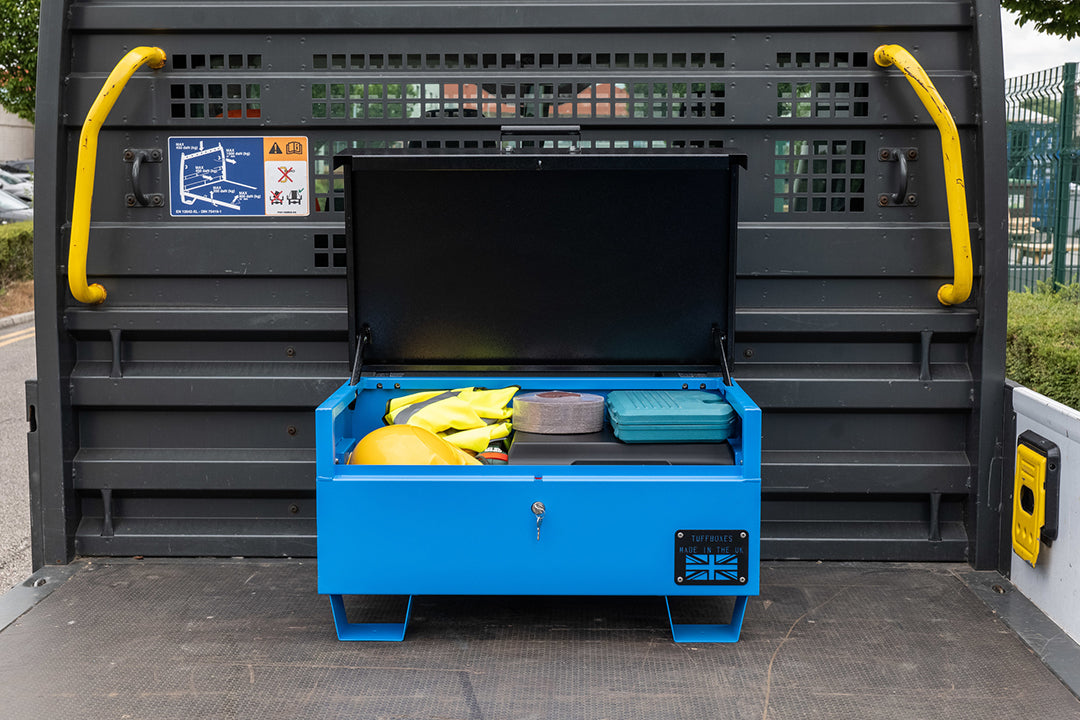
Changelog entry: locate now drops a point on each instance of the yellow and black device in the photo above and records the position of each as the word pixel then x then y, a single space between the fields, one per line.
pixel 1035 495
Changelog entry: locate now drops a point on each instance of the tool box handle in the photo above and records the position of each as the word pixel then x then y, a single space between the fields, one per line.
pixel 960 289
pixel 84 174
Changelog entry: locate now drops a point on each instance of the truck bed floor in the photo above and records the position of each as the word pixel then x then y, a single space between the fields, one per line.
pixel 252 639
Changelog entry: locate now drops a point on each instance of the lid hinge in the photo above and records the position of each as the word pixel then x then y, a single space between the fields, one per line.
pixel 720 344
pixel 361 344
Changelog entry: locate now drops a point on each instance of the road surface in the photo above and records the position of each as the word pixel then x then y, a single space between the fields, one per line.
pixel 17 365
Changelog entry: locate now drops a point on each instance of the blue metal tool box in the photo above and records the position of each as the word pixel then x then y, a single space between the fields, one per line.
pixel 584 271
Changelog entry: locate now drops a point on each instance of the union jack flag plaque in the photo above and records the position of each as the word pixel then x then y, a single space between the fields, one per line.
pixel 711 557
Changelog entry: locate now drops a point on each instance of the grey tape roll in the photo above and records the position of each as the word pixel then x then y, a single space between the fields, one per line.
pixel 558 413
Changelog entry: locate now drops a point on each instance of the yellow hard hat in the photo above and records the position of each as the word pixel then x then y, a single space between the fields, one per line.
pixel 407 445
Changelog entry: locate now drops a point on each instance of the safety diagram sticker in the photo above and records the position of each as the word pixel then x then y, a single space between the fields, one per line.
pixel 238 176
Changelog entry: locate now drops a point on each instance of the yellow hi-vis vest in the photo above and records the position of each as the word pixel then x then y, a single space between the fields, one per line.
pixel 468 418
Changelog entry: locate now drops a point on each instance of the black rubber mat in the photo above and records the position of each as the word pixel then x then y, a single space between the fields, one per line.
pixel 251 639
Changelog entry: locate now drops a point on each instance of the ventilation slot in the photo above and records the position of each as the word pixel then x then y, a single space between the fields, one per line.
pixel 383 62
pixel 819 176
pixel 329 185
pixel 330 251
pixel 231 101
pixel 232 61
pixel 822 60
pixel 657 99
pixel 822 99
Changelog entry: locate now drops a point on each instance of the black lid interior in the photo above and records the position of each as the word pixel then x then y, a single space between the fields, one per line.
pixel 509 261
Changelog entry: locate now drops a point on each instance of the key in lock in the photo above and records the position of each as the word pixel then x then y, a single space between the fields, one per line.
pixel 538 510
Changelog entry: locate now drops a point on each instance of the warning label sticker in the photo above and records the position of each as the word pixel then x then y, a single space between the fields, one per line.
pixel 238 176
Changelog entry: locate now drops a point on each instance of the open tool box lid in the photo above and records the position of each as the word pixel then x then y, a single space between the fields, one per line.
pixel 582 262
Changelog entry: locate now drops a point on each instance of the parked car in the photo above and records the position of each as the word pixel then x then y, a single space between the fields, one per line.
pixel 20 188
pixel 25 167
pixel 12 209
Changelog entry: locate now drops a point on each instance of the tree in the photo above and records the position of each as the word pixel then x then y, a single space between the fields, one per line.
pixel 18 55
pixel 1054 17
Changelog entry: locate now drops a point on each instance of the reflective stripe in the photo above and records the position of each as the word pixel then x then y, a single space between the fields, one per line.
pixel 402 417
pixel 468 418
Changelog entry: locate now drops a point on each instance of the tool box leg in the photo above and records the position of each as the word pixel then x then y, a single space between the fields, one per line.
pixel 392 632
pixel 710 633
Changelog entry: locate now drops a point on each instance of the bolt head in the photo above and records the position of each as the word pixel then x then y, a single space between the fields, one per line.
pixel 911 199
pixel 743 535
pixel 742 579
pixel 678 579
pixel 885 154
pixel 678 535
pixel 913 154
pixel 883 200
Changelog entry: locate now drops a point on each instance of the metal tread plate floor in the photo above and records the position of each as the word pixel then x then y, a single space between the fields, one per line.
pixel 248 638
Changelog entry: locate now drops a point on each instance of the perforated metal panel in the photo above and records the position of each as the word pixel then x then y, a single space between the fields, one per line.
pixel 184 403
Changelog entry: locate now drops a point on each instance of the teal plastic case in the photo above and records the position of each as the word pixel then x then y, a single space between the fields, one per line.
pixel 669 416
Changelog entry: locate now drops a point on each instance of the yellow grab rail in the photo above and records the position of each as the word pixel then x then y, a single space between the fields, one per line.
pixel 960 289
pixel 84 175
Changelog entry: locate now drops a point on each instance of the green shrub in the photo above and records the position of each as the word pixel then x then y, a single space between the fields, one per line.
pixel 1042 347
pixel 16 252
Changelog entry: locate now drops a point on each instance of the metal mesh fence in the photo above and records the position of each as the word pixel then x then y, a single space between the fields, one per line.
pixel 1044 178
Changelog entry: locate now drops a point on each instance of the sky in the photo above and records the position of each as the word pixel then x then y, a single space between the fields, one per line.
pixel 1027 50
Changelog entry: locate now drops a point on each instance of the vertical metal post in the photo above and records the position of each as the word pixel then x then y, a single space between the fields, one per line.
pixel 1007 452
pixel 935 517
pixel 115 335
pixel 1066 122
pixel 52 528
pixel 924 366
pixel 107 513
pixel 987 357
